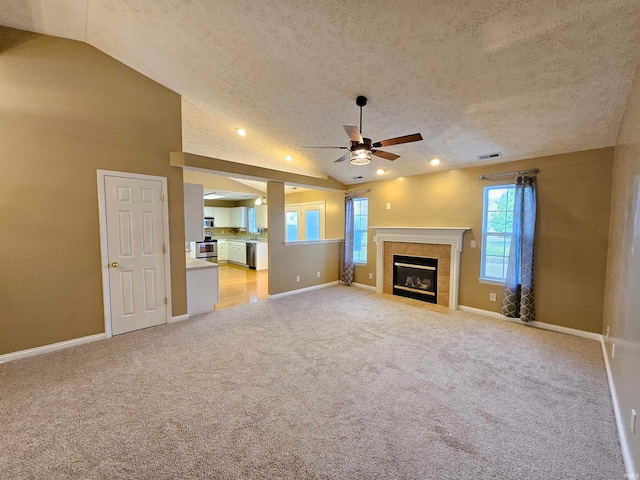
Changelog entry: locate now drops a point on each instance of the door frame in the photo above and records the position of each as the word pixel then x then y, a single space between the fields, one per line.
pixel 104 250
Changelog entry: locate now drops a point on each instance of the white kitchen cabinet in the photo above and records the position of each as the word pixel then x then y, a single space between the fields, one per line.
pixel 237 252
pixel 203 286
pixel 238 217
pixel 222 251
pixel 262 256
pixel 209 212
pixel 193 212
pixel 262 220
pixel 221 214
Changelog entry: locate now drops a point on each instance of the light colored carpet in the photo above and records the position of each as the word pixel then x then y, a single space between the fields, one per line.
pixel 334 383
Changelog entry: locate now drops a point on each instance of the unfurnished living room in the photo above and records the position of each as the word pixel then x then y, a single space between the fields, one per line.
pixel 319 240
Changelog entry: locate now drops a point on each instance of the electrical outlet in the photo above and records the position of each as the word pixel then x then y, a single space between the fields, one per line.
pixel 473 244
pixel 222 232
pixel 634 417
pixel 607 334
pixel 388 206
pixel 370 276
pixel 297 278
pixel 492 297
pixel 613 350
pixel 318 274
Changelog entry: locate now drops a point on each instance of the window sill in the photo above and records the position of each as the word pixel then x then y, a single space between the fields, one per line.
pixel 310 242
pixel 492 282
pixel 360 264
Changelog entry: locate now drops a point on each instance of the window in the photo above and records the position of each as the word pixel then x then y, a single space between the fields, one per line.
pixel 252 221
pixel 360 229
pixel 312 222
pixel 291 226
pixel 304 221
pixel 496 232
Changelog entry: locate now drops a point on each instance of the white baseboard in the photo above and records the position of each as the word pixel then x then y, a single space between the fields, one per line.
pixel 544 326
pixel 302 290
pixel 179 318
pixel 622 436
pixel 8 357
pixel 366 287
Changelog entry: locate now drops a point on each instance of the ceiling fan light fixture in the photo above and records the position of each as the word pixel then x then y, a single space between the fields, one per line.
pixel 360 157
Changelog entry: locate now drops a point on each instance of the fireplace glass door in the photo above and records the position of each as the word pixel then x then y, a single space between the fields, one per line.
pixel 415 277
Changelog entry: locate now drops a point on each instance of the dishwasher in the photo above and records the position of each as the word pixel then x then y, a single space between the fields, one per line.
pixel 251 254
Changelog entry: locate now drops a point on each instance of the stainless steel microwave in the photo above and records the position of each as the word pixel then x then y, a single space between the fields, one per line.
pixel 209 222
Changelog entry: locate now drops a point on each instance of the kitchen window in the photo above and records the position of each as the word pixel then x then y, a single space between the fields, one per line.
pixel 496 232
pixel 252 221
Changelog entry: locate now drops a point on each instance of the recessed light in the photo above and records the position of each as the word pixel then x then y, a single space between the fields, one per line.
pixel 288 158
pixel 435 161
pixel 241 131
pixel 380 171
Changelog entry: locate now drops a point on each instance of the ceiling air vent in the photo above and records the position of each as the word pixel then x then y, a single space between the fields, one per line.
pixel 358 177
pixel 488 156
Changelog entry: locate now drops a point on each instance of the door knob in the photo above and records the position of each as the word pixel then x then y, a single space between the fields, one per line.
pixel 114 264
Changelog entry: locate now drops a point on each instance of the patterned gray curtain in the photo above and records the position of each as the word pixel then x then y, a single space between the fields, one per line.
pixel 518 300
pixel 347 258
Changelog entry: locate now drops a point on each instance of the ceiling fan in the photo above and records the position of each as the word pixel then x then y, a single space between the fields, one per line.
pixel 361 148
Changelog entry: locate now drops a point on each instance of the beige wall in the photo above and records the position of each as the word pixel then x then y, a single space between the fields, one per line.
pixel 286 262
pixel 334 208
pixel 67 111
pixel 622 299
pixel 571 231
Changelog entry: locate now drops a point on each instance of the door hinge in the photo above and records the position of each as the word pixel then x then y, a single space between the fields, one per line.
pixel 162 197
pixel 164 248
pixel 166 300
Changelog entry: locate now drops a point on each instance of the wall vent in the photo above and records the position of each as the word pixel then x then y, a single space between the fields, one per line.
pixel 487 156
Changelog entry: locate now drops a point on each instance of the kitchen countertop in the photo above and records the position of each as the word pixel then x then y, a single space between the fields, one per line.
pixel 194 263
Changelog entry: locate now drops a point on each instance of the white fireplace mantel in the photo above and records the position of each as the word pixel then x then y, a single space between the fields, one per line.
pixel 434 235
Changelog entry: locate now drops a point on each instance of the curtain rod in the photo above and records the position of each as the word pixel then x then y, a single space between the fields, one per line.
pixel 357 192
pixel 533 171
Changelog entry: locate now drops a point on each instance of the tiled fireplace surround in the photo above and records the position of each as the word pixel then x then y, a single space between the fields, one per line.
pixel 442 243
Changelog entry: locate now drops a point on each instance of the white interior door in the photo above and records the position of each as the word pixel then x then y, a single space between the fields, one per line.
pixel 136 264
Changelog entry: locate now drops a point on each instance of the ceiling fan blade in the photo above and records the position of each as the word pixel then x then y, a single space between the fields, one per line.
pixel 343 148
pixel 416 137
pixel 343 158
pixel 354 133
pixel 385 155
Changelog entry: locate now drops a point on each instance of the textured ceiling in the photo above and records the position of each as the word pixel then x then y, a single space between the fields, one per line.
pixel 526 78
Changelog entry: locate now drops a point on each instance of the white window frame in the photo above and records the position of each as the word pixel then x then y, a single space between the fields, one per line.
pixel 367 231
pixel 301 209
pixel 483 277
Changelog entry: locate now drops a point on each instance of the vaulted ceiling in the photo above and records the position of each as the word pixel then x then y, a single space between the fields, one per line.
pixel 523 77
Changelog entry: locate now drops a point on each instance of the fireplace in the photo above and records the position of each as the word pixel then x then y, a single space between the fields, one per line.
pixel 416 277
pixel 443 243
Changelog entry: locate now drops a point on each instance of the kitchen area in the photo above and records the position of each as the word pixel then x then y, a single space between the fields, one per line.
pixel 227 247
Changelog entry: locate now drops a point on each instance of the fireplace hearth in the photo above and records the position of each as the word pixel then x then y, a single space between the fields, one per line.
pixel 415 277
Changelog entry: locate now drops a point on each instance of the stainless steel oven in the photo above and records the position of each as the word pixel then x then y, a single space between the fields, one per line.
pixel 207 250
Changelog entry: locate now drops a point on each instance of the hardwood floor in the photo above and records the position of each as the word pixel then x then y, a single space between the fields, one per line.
pixel 240 285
